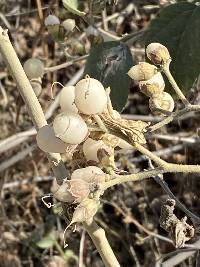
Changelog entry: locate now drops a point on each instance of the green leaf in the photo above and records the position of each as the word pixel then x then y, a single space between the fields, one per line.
pixel 96 6
pixel 109 63
pixel 72 6
pixel 178 28
pixel 69 254
pixel 48 241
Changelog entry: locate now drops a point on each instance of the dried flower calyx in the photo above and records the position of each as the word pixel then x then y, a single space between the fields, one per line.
pixel 154 86
pixel 163 102
pixel 158 53
pixel 84 182
pixel 134 130
pixel 179 230
pixel 142 72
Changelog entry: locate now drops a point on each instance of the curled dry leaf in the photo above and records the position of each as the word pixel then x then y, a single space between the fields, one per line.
pixel 134 130
pixel 179 230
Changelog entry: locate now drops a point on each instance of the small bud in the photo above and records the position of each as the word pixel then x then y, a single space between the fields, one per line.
pixel 154 86
pixel 158 53
pixel 142 72
pixel 69 24
pixel 165 103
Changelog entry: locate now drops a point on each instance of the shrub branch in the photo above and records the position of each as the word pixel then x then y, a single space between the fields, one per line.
pixel 36 113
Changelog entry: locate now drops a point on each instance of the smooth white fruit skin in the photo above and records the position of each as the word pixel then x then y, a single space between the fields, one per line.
pixel 70 128
pixel 90 96
pixel 66 99
pixel 34 68
pixel 90 148
pixel 51 20
pixel 69 24
pixel 48 142
pixel 87 173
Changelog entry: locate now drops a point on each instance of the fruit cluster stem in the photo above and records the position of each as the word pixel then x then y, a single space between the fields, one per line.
pixel 176 88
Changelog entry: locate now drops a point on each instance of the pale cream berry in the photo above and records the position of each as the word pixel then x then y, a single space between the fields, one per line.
pixel 34 68
pixel 158 53
pixel 67 98
pixel 90 149
pixel 90 96
pixel 165 102
pixel 70 128
pixel 69 24
pixel 51 20
pixel 142 72
pixel 154 86
pixel 48 142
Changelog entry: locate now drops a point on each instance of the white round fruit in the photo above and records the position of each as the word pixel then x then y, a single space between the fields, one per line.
pixel 90 96
pixel 90 149
pixel 69 24
pixel 48 142
pixel 51 20
pixel 34 68
pixel 70 128
pixel 66 99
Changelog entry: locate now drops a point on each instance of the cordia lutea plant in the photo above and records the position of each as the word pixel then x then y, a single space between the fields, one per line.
pixel 89 126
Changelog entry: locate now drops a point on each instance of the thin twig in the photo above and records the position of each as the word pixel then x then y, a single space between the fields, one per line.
pixel 81 249
pixel 159 179
pixel 167 72
pixel 174 115
pixel 181 256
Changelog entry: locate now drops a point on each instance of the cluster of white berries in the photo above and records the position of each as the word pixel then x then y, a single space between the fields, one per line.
pixel 52 20
pixel 150 80
pixel 87 98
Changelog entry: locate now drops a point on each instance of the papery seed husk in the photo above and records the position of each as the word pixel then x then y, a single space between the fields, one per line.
pixel 142 72
pixel 79 189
